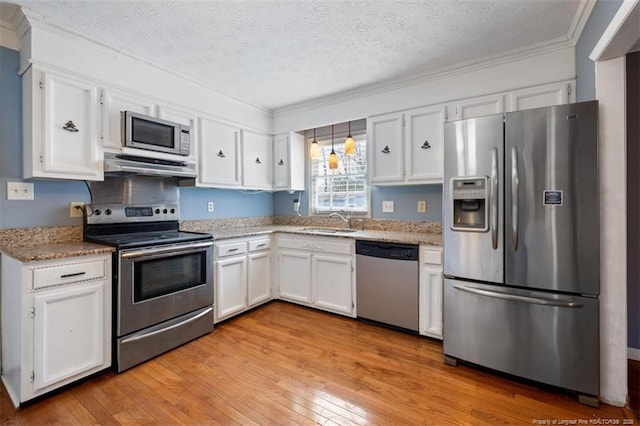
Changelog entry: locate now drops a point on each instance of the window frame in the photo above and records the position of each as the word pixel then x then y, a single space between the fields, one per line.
pixel 324 141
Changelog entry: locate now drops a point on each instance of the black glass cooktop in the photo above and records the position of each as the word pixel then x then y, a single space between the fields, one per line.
pixel 139 235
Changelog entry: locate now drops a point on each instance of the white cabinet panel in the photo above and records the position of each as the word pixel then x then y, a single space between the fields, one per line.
pixel 219 154
pixel 430 293
pixel 384 137
pixel 542 96
pixel 332 283
pixel 294 276
pixel 61 129
pixel 288 162
pixel 256 160
pixel 69 325
pixel 231 286
pixel 424 136
pixel 476 107
pixel 259 277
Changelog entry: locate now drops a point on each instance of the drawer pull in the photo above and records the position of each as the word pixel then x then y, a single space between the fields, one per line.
pixel 232 250
pixel 261 245
pixel 76 274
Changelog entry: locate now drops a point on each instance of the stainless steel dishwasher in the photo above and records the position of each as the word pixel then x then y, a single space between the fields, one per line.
pixel 387 283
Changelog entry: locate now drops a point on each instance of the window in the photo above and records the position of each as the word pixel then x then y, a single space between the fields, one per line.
pixel 344 188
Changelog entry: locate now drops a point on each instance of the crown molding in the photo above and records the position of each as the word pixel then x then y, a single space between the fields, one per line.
pixel 548 46
pixel 580 20
pixel 40 21
pixel 9 20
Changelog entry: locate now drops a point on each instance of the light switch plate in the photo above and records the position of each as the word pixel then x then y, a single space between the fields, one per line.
pixel 387 207
pixel 19 191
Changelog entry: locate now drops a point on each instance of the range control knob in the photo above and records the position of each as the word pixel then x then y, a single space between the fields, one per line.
pixel 164 211
pixel 172 211
pixel 157 211
pixel 107 212
pixel 97 212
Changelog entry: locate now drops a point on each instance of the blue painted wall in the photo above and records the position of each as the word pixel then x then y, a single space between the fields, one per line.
pixel 405 200
pixel 598 21
pixel 50 206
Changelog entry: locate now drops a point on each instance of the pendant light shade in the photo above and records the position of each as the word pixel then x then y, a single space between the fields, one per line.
pixel 349 143
pixel 314 149
pixel 333 158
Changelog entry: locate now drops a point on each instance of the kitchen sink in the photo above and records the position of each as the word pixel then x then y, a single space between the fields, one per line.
pixel 330 230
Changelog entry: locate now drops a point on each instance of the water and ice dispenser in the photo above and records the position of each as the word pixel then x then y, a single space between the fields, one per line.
pixel 470 204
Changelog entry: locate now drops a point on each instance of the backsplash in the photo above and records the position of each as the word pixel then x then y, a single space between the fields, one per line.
pixel 432 227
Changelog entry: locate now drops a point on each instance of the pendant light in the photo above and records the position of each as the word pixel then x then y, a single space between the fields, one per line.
pixel 333 158
pixel 314 149
pixel 349 143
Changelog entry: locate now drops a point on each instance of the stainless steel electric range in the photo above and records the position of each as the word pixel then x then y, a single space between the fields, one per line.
pixel 162 278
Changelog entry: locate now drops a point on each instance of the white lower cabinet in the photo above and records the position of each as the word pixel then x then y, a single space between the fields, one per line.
pixel 242 275
pixel 317 272
pixel 430 292
pixel 56 323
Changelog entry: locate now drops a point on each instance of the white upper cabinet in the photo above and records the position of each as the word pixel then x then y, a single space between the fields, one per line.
pixel 218 154
pixel 384 136
pixel 113 103
pixel 288 162
pixel 475 107
pixel 406 147
pixel 256 160
pixel 61 131
pixel 424 135
pixel 542 96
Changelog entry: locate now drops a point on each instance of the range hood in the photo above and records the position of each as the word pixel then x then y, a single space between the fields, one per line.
pixel 121 164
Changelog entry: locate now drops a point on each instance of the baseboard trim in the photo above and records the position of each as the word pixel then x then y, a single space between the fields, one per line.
pixel 633 353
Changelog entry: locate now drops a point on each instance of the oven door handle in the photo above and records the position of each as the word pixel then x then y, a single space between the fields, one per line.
pixel 162 330
pixel 164 249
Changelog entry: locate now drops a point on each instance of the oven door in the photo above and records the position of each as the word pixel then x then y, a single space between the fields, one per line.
pixel 159 283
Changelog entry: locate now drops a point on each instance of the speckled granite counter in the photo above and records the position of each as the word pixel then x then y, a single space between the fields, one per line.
pixel 432 239
pixel 47 243
pixel 50 251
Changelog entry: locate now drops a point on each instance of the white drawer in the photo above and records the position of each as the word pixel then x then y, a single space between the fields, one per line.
pixel 69 273
pixel 261 244
pixel 327 244
pixel 432 256
pixel 230 249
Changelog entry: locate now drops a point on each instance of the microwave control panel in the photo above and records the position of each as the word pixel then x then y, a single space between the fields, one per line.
pixel 185 141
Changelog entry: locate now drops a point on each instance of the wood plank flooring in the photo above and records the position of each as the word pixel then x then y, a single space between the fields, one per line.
pixel 285 364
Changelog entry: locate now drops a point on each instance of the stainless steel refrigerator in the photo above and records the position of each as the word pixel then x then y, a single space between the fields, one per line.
pixel 522 247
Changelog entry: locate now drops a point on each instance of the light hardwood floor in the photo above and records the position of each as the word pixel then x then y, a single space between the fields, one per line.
pixel 285 364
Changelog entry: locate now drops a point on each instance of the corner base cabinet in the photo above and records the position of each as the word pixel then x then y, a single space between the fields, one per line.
pixel 56 323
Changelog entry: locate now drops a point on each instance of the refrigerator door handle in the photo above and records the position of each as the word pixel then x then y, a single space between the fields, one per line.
pixel 515 183
pixel 494 198
pixel 516 298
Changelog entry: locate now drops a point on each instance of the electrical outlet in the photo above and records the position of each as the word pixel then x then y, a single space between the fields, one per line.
pixel 422 206
pixel 210 206
pixel 75 209
pixel 19 191
pixel 296 204
pixel 387 207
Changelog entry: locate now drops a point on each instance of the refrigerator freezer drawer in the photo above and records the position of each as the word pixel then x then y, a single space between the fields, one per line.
pixel 549 338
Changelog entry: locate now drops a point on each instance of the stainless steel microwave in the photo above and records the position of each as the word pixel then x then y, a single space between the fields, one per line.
pixel 155 134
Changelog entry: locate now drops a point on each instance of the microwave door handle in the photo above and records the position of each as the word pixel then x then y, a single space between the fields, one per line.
pixel 515 186
pixel 494 198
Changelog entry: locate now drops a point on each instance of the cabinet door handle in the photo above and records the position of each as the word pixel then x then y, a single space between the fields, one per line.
pixel 69 126
pixel 76 274
pixel 425 145
pixel 281 163
pixel 221 154
pixel 258 160
pixel 386 150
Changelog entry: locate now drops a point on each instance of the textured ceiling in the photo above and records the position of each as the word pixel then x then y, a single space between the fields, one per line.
pixel 275 53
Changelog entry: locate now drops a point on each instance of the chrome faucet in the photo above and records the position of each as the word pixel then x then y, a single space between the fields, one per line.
pixel 345 219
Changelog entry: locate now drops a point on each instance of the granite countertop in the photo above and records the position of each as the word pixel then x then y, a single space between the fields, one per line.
pixel 51 251
pixel 369 235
